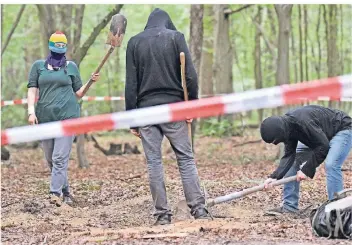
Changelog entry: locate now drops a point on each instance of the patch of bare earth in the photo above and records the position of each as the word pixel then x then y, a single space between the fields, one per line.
pixel 113 204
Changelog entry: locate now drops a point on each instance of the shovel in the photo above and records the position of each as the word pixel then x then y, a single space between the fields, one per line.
pixel 245 192
pixel 117 31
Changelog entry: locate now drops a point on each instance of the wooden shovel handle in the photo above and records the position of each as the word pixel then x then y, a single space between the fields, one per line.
pixel 111 49
pixel 184 86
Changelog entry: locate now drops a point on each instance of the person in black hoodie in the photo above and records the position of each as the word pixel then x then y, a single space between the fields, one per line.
pixel 153 77
pixel 316 134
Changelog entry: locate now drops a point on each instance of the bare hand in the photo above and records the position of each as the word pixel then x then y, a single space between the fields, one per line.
pixel 32 119
pixel 301 176
pixel 95 77
pixel 268 183
pixel 135 133
pixel 189 120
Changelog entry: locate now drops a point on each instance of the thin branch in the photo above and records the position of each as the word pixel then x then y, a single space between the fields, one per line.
pixel 269 45
pixel 18 18
pixel 229 11
pixel 246 143
pixel 81 53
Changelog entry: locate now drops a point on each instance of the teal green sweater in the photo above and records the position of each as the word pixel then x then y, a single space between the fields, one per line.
pixel 57 98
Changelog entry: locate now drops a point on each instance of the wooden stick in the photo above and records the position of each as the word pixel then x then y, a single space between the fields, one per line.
pixel 185 91
pixel 245 192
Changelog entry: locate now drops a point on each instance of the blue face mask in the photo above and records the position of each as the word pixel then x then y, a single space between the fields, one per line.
pixel 58 47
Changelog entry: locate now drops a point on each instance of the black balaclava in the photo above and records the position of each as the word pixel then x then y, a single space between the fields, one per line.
pixel 274 130
pixel 160 18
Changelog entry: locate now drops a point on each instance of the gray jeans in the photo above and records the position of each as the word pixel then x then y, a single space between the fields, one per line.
pixel 57 154
pixel 177 134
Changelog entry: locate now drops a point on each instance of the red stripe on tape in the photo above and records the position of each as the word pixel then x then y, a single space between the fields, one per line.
pixel 294 93
pixel 197 108
pixel 91 98
pixel 17 102
pixel 107 98
pixel 2 103
pixel 4 138
pixel 87 124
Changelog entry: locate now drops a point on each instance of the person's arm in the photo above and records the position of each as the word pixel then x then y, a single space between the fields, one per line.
pixel 286 161
pixel 320 145
pixel 77 86
pixel 191 74
pixel 80 92
pixel 32 93
pixel 131 86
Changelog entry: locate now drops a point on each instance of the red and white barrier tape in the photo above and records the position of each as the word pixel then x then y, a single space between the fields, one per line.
pixel 109 98
pixel 85 98
pixel 334 88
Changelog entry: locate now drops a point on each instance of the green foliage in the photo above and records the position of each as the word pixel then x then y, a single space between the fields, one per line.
pixel 26 46
pixel 214 127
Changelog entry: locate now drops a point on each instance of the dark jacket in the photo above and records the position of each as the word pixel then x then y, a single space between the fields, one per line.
pixel 312 125
pixel 153 73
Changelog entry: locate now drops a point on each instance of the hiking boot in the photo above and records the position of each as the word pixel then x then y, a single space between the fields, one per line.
pixel 55 199
pixel 163 219
pixel 67 199
pixel 201 213
pixel 279 211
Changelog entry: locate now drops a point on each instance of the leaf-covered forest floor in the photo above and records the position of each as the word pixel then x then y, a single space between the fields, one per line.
pixel 113 204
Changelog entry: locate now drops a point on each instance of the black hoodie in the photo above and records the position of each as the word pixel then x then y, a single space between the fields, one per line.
pixel 153 73
pixel 312 125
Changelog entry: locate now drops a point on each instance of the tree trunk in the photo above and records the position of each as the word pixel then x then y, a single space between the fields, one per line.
pixel 195 45
pixel 330 20
pixel 206 73
pixel 222 67
pixel 341 41
pixel 305 15
pixel 284 15
pixel 47 14
pixel 294 56
pixel 81 154
pixel 257 59
pixel 301 72
pixel 196 34
pixel 283 12
pixel 331 31
pixel 318 70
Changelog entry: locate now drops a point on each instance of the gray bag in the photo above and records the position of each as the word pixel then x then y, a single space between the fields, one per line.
pixel 333 218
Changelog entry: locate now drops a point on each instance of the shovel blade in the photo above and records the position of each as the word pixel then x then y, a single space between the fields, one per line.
pixel 117 30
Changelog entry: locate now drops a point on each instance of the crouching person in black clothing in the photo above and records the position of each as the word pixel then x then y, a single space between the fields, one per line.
pixel 311 134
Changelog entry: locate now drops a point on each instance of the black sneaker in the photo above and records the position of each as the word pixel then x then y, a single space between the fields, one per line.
pixel 163 219
pixel 279 211
pixel 67 199
pixel 201 213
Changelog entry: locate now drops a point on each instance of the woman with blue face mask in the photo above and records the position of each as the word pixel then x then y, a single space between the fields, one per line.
pixel 60 86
